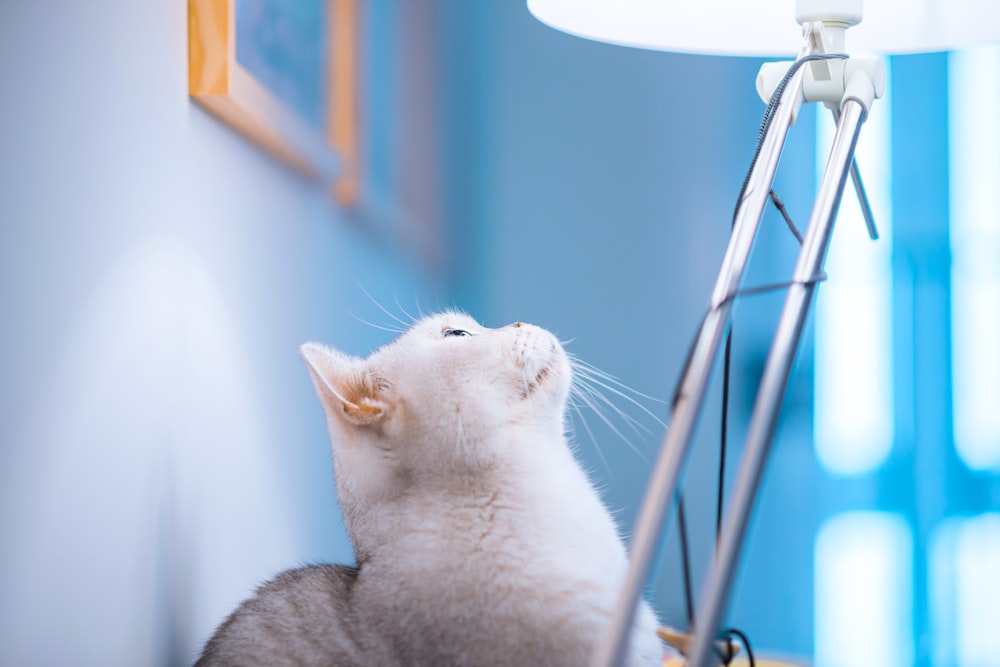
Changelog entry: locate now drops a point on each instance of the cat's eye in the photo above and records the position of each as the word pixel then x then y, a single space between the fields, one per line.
pixel 455 332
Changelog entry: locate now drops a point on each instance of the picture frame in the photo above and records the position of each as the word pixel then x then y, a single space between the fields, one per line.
pixel 233 74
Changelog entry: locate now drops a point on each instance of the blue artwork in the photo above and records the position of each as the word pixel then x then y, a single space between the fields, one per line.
pixel 283 44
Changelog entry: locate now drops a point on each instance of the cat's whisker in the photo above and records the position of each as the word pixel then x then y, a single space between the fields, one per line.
pixel 378 326
pixel 594 389
pixel 593 439
pixel 583 367
pixel 406 325
pixel 611 425
pixel 420 309
pixel 395 298
pixel 460 433
pixel 588 379
pixel 617 431
pixel 637 426
pixel 593 378
pixel 602 404
pixel 592 371
pixel 588 375
pixel 581 364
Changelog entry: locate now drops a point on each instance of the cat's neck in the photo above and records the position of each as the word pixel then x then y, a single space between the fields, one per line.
pixel 531 491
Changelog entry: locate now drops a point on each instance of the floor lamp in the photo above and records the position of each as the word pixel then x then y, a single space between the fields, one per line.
pixel 822 72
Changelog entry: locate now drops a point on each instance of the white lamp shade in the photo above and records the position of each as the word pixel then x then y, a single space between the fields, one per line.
pixel 769 27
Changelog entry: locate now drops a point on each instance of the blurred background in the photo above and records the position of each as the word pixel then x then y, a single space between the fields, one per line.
pixel 161 449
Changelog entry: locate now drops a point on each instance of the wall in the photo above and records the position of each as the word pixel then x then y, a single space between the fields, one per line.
pixel 162 449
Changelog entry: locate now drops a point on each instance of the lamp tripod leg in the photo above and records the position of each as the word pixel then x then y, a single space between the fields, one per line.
pixel 690 397
pixel 775 378
pixel 859 189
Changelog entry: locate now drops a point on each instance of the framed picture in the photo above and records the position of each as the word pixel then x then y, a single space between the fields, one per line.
pixel 284 74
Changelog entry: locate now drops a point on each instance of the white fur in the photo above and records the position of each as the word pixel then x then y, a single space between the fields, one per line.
pixel 479 538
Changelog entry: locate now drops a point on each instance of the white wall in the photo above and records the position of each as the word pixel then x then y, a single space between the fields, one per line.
pixel 160 446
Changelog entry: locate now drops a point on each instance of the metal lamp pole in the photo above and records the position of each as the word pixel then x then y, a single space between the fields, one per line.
pixel 851 87
pixel 778 368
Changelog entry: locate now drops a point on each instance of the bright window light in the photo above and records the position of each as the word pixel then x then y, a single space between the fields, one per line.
pixel 864 591
pixel 965 591
pixel 854 388
pixel 974 110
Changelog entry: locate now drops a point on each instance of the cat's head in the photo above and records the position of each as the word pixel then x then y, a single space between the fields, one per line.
pixel 447 397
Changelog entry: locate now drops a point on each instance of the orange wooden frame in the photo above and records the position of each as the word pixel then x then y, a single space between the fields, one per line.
pixel 217 82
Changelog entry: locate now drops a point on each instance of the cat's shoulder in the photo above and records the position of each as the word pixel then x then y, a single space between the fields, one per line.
pixel 320 584
pixel 310 577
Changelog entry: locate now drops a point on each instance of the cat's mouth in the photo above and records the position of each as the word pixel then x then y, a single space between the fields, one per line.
pixel 539 362
pixel 535 378
pixel 540 377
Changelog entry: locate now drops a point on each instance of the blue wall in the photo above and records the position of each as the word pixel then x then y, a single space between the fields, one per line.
pixel 158 274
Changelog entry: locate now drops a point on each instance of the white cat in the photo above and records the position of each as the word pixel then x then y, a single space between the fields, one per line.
pixel 479 539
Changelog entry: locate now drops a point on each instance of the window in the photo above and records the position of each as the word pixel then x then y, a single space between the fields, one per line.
pixel 907 381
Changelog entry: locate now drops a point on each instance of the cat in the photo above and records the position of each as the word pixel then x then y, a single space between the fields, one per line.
pixel 479 539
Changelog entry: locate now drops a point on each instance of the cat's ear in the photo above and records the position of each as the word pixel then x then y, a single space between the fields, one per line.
pixel 345 386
